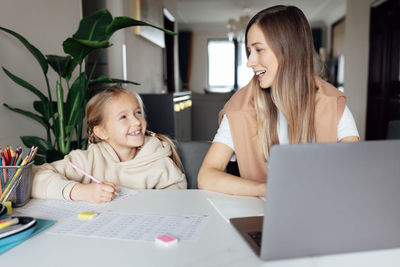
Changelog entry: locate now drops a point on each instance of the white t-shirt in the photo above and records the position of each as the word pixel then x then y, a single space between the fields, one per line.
pixel 346 127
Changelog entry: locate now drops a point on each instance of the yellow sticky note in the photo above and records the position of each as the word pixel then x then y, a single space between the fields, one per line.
pixel 88 215
pixel 8 204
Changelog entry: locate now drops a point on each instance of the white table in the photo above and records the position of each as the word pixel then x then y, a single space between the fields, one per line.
pixel 220 244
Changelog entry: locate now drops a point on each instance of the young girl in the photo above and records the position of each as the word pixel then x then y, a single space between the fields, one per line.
pixel 121 153
pixel 284 103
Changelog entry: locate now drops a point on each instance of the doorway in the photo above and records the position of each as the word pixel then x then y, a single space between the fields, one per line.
pixel 383 104
pixel 169 52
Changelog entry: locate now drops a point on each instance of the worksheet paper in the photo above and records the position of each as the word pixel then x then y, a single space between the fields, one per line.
pixel 114 225
pixel 133 226
pixel 61 209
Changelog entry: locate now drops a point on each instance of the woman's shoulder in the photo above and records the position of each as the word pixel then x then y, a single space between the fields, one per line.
pixel 327 89
pixel 242 99
pixel 329 96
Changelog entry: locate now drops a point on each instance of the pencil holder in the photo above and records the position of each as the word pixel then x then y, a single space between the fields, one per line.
pixel 20 191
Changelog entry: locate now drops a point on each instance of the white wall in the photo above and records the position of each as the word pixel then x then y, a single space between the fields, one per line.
pixel 45 24
pixel 199 76
pixel 144 58
pixel 356 52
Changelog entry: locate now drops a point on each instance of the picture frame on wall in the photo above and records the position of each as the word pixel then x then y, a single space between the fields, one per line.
pixel 150 11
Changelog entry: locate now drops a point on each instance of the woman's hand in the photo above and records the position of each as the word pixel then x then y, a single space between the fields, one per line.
pixel 94 192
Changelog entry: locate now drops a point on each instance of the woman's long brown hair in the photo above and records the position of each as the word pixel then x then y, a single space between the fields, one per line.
pixel 288 33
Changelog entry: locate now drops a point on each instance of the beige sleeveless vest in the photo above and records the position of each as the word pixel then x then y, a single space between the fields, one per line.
pixel 329 107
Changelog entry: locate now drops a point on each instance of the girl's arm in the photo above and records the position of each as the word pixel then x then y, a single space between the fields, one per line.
pixel 213 177
pixel 167 176
pixel 58 180
pixel 93 192
pixel 51 180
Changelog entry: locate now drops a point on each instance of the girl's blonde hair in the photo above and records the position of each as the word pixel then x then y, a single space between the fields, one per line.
pixel 288 33
pixel 95 117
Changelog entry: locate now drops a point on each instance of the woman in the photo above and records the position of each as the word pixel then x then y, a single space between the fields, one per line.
pixel 284 103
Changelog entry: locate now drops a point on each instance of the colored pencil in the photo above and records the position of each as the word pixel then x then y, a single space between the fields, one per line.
pixel 10 184
pixel 84 173
pixel 19 159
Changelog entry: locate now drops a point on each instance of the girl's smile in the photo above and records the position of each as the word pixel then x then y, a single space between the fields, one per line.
pixel 124 126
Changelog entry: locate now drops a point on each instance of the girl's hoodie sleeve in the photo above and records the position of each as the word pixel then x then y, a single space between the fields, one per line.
pixel 55 180
pixel 171 177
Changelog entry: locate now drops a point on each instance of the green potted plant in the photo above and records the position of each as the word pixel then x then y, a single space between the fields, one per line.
pixel 63 119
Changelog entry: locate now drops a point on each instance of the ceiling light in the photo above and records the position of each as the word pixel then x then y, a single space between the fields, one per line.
pixel 237 28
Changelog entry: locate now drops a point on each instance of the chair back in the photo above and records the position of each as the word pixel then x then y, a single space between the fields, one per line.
pixel 192 154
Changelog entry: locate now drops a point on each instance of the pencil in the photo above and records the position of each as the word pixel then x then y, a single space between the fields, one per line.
pixel 1 173
pixel 3 163
pixel 19 159
pixel 84 173
pixel 7 191
pixel 6 154
pixel 34 151
pixel 9 222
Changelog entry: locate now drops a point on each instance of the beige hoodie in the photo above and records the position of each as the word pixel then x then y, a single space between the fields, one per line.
pixel 152 168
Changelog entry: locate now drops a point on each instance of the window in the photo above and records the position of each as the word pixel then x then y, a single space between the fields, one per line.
pixel 244 73
pixel 221 65
pixel 227 68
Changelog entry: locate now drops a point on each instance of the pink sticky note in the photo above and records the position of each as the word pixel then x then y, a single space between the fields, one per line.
pixel 166 240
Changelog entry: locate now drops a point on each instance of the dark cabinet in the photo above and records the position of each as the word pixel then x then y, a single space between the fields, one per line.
pixel 169 114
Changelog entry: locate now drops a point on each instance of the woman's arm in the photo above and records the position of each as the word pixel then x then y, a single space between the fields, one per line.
pixel 347 129
pixel 349 139
pixel 212 176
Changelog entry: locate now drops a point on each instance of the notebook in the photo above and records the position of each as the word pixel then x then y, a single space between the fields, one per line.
pixel 328 199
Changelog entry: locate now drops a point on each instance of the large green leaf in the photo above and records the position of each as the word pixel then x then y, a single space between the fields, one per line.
pixel 53 155
pixel 75 145
pixel 34 51
pixel 79 50
pixel 64 66
pixel 103 79
pixel 90 35
pixel 39 159
pixel 31 88
pixel 42 144
pixel 56 130
pixel 38 106
pixel 124 22
pixel 94 44
pixel 60 121
pixel 93 27
pixel 75 100
pixel 31 115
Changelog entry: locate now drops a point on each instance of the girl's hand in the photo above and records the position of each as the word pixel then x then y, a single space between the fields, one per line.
pixel 94 192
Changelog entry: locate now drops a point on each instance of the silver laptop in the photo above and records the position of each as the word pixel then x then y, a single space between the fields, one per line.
pixel 328 199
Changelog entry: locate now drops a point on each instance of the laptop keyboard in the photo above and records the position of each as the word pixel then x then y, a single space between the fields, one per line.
pixel 256 236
